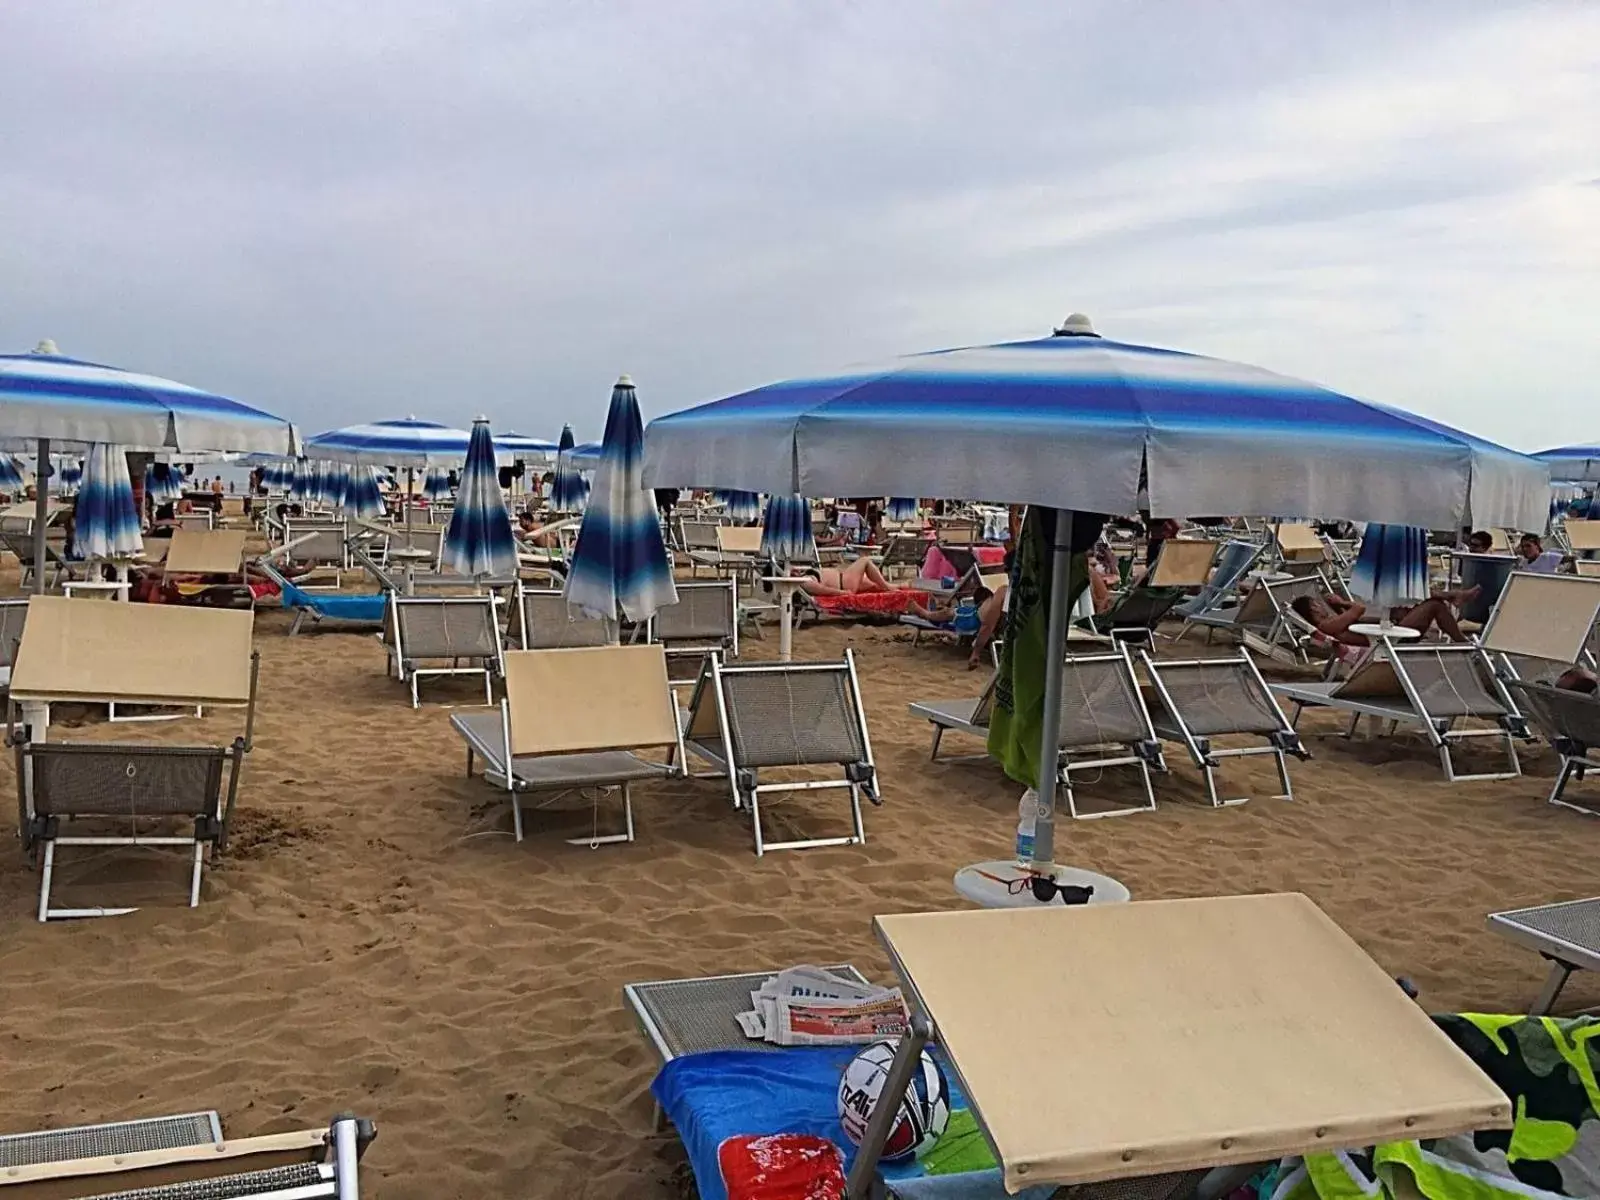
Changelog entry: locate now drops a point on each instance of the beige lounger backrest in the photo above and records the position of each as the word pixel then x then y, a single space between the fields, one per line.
pixel 739 539
pixel 1183 562
pixel 1545 616
pixel 1499 541
pixel 1589 568
pixel 587 699
pixel 205 552
pixel 1320 1052
pixel 1299 543
pixel 994 582
pixel 1583 535
pixel 133 653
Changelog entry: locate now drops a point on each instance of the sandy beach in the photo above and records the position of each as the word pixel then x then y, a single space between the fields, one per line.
pixel 375 941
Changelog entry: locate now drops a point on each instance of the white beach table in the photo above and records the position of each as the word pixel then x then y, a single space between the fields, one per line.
pixel 90 587
pixel 1397 633
pixel 1117 1041
pixel 977 884
pixel 409 557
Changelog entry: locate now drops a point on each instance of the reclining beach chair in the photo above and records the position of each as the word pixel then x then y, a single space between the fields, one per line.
pixel 427 632
pixel 1566 933
pixel 705 619
pixel 1300 547
pixel 317 544
pixel 1541 625
pixel 1432 685
pixel 698 540
pixel 192 553
pixel 364 610
pixel 1102 709
pixel 542 620
pixel 903 551
pixel 184 1157
pixel 55 566
pixel 613 702
pixel 1233 562
pixel 1570 722
pixel 1265 620
pixel 132 653
pixel 13 618
pixel 1134 614
pixel 748 719
pixel 1195 701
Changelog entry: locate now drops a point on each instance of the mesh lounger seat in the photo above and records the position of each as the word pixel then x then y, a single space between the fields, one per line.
pixel 1568 934
pixel 541 620
pixel 1195 701
pixel 21 544
pixel 13 618
pixel 184 1157
pixel 1101 707
pixel 427 632
pixel 1234 560
pixel 1541 625
pixel 1570 722
pixel 1434 686
pixel 749 719
pixel 1265 620
pixel 1134 614
pixel 704 620
pixel 616 701
pixel 317 544
pixel 369 610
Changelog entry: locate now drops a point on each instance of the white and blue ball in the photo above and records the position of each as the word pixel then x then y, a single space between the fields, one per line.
pixel 924 1109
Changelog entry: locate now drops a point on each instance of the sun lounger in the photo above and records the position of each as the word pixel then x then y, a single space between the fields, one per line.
pixel 184 1157
pixel 317 544
pixel 613 702
pixel 1133 615
pixel 130 653
pixel 1299 543
pixel 1265 619
pixel 1195 701
pixel 1570 722
pixel 1433 686
pixel 903 551
pixel 1233 561
pixel 1183 563
pixel 542 620
pixel 1541 625
pixel 748 719
pixel 1583 537
pixel 13 618
pixel 427 632
pixel 1568 934
pixel 21 544
pixel 366 610
pixel 704 619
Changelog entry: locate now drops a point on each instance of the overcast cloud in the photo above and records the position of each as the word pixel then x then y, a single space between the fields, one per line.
pixel 347 211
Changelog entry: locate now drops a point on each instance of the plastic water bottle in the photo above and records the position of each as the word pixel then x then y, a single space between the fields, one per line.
pixel 1027 814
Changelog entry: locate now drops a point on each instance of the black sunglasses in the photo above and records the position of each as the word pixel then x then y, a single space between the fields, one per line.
pixel 1046 889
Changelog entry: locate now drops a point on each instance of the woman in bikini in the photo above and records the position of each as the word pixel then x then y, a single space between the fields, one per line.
pixel 860 576
pixel 1333 615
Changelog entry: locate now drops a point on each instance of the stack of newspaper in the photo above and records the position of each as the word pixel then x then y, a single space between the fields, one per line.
pixel 809 1006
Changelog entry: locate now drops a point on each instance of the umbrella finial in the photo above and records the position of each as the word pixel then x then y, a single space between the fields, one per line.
pixel 1076 325
pixel 48 346
pixel 624 380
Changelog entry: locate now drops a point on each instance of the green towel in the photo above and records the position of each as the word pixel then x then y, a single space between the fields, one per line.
pixel 960 1148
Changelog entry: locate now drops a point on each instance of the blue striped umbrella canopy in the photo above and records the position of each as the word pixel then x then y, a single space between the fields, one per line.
pixel 10 474
pixel 106 521
pixel 741 507
pixel 361 496
pixel 587 455
pixel 407 443
pixel 786 531
pixel 47 395
pixel 1572 464
pixel 335 480
pixel 1392 566
pixel 436 484
pixel 620 564
pixel 516 445
pixel 901 508
pixel 478 539
pixel 162 483
pixel 566 490
pixel 1079 422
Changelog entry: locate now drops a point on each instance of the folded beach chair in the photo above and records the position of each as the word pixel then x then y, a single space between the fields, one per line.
pixel 1233 561
pixel 184 1157
pixel 704 619
pixel 1101 708
pixel 1431 685
pixel 129 653
pixel 574 719
pixel 748 719
pixel 1570 722
pixel 542 620
pixel 444 635
pixel 1195 701
pixel 364 610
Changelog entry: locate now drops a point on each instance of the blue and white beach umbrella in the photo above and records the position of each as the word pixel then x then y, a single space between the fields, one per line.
pixel 10 474
pixel 742 508
pixel 901 508
pixel 786 531
pixel 478 540
pixel 1572 464
pixel 407 443
pixel 162 483
pixel 567 492
pixel 361 496
pixel 70 474
pixel 436 484
pixel 301 481
pixel 106 521
pixel 1392 566
pixel 336 482
pixel 620 565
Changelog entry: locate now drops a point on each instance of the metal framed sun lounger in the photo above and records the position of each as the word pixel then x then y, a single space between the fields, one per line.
pixel 1568 934
pixel 1195 701
pixel 1570 722
pixel 1100 972
pixel 184 1157
pixel 462 631
pixel 136 653
pixel 616 701
pixel 1101 707
pixel 13 619
pixel 744 720
pixel 21 544
pixel 704 620
pixel 1298 543
pixel 1233 561
pixel 541 620
pixel 318 544
pixel 1433 686
pixel 1541 625
pixel 365 611
pixel 1134 614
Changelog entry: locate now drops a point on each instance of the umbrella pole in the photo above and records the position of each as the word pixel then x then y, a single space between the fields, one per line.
pixel 41 513
pixel 411 482
pixel 1054 668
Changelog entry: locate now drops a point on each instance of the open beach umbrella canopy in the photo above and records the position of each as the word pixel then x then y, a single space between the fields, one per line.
pixel 403 443
pixel 1392 566
pixel 1572 464
pixel 106 520
pixel 516 445
pixel 620 565
pixel 1077 423
pixel 587 455
pixel 478 540
pixel 786 530
pixel 567 492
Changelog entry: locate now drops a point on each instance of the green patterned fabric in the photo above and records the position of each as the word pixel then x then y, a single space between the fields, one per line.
pixel 1547 1066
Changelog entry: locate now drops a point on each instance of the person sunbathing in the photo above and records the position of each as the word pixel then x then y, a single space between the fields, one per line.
pixel 991 610
pixel 531 533
pixel 1333 615
pixel 860 576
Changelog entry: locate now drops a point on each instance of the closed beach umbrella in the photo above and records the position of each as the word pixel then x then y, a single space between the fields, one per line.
pixel 786 530
pixel 901 508
pixel 436 484
pixel 162 483
pixel 106 520
pixel 300 481
pixel 566 491
pixel 361 497
pixel 478 540
pixel 10 474
pixel 742 508
pixel 70 475
pixel 336 481
pixel 620 565
pixel 1391 567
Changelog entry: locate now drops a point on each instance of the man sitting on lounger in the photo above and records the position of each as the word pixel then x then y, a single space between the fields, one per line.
pixel 1333 615
pixel 1480 541
pixel 860 576
pixel 991 610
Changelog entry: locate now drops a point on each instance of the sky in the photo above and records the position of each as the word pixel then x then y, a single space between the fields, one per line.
pixel 343 212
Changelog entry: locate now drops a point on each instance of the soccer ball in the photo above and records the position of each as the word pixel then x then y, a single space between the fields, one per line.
pixel 924 1109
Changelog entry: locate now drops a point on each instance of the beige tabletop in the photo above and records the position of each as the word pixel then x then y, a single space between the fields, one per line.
pixel 1112 1041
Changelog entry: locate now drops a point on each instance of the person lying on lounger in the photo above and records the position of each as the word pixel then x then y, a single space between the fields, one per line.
pixel 530 533
pixel 860 576
pixel 991 610
pixel 1333 615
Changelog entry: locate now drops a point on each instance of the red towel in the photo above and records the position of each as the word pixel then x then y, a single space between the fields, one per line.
pixel 785 1166
pixel 887 604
